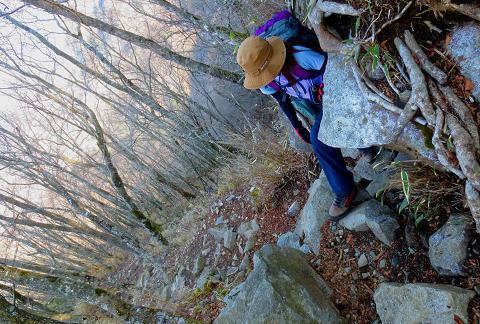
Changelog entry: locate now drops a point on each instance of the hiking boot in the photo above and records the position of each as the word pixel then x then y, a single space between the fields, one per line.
pixel 341 204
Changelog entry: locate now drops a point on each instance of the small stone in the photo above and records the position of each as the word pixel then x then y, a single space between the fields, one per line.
pixel 220 220
pixel 248 229
pixel 289 239
pixel 294 209
pixel 296 192
pixel 244 264
pixel 199 265
pixel 383 263
pixel 229 239
pixel 355 276
pixel 372 255
pixel 231 271
pixel 365 275
pixel 338 239
pixel 242 205
pixel 347 270
pixel 346 250
pixel 340 232
pixel 357 252
pixel 362 261
pixel 230 198
pixel 448 246
pixel 249 245
pixel 395 261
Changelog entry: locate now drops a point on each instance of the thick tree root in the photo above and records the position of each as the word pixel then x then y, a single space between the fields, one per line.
pixel 462 111
pixel 420 96
pixel 337 8
pixel 375 98
pixel 427 66
pixel 437 97
pixel 473 201
pixel 440 149
pixel 465 151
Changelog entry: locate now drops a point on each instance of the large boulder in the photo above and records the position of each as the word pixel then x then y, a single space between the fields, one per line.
pixel 282 288
pixel 465 49
pixel 349 120
pixel 448 246
pixel 421 303
pixel 315 213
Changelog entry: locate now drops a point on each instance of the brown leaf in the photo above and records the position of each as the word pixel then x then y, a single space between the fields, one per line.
pixel 457 319
pixel 448 39
pixel 468 85
pixel 350 239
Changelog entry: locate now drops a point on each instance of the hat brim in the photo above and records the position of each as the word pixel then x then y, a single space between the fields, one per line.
pixel 272 69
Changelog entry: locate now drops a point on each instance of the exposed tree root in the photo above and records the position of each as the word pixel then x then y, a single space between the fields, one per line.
pixel 462 111
pixel 437 97
pixel 375 98
pixel 440 149
pixel 427 66
pixel 465 151
pixel 473 201
pixel 337 8
pixel 420 96
pixel 470 10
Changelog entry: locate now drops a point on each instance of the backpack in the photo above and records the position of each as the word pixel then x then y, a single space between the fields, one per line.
pixel 284 25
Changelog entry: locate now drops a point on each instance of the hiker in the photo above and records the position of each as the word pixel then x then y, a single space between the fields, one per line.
pixel 292 73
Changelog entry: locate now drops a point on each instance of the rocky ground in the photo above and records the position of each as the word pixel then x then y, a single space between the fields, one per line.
pixel 372 245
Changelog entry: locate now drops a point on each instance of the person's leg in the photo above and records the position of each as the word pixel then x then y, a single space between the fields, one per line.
pixel 332 163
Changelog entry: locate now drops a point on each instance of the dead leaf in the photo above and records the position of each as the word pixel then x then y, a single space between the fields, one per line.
pixel 350 239
pixel 448 39
pixel 457 319
pixel 468 85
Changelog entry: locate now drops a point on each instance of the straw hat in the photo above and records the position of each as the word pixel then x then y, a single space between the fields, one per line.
pixel 261 59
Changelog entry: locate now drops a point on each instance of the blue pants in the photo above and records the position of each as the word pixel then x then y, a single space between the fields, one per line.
pixel 331 161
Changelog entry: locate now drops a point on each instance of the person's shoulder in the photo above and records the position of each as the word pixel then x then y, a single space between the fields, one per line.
pixel 308 58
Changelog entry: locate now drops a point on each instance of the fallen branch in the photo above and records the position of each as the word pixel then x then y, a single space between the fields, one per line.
pixel 465 151
pixel 470 10
pixel 462 111
pixel 473 201
pixel 389 80
pixel 429 67
pixel 419 96
pixel 440 149
pixel 372 87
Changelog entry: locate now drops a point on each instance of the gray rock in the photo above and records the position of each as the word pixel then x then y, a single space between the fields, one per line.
pixel 249 245
pixel 294 140
pixel 421 303
pixel 203 278
pixel 220 220
pixel 218 232
pixel 199 264
pixel 465 49
pixel 248 229
pixel 349 120
pixel 448 246
pixel 383 263
pixel 233 293
pixel 362 261
pixel 350 152
pixel 356 219
pixel 305 249
pixel 289 239
pixel 282 288
pixel 381 222
pixel 244 264
pixel 315 213
pixel 229 239
pixel 378 184
pixel 365 275
pixel 294 209
pixel 364 169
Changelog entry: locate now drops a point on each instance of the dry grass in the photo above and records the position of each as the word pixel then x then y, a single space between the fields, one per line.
pixel 432 193
pixel 265 165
